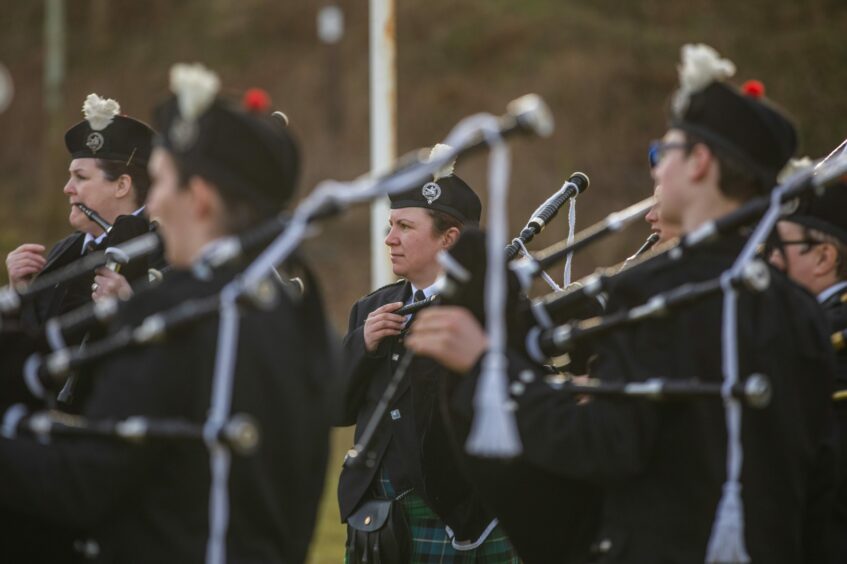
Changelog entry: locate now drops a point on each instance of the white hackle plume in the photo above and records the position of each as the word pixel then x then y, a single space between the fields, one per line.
pixel 438 151
pixel 99 112
pixel 701 65
pixel 195 87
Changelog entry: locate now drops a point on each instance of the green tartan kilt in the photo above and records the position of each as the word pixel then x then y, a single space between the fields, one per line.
pixel 430 543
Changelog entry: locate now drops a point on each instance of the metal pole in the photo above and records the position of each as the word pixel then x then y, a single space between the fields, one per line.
pixel 53 208
pixel 331 32
pixel 54 64
pixel 383 108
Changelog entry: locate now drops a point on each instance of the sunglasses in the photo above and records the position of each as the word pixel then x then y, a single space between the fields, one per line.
pixel 775 244
pixel 657 150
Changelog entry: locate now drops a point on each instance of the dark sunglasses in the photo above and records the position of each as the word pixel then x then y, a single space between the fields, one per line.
pixel 657 149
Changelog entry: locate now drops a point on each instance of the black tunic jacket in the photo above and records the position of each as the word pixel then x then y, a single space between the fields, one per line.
pixel 151 503
pixel 662 465
pixel 435 475
pixel 836 312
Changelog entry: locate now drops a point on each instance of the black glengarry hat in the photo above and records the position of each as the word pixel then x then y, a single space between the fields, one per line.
pixel 742 124
pixel 105 134
pixel 245 153
pixel 826 213
pixel 446 193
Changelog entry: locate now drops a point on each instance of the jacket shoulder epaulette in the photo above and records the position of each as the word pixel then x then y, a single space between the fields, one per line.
pixel 398 282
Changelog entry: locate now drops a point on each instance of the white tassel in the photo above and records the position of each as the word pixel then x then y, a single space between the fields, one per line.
pixel 99 112
pixel 726 545
pixel 195 87
pixel 701 65
pixel 494 432
pixel 438 151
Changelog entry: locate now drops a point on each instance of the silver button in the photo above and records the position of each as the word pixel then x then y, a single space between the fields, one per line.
pixel 517 388
pixel 395 414
pixel 527 376
pixel 395 357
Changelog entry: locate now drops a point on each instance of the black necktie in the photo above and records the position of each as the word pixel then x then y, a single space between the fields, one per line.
pixel 418 297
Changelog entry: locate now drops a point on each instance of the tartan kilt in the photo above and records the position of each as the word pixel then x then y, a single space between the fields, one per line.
pixel 430 543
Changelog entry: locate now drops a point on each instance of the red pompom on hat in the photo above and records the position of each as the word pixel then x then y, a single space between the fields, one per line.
pixel 256 100
pixel 753 88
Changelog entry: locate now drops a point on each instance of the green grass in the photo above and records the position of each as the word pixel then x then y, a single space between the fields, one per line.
pixel 330 535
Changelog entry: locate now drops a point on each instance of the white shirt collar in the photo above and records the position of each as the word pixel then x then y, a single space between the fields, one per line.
pixel 428 291
pixel 831 291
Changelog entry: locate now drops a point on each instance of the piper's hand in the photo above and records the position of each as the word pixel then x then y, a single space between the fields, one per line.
pixel 108 284
pixel 450 335
pixel 25 262
pixel 381 323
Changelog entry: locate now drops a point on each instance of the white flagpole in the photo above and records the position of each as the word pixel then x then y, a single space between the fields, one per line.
pixel 383 108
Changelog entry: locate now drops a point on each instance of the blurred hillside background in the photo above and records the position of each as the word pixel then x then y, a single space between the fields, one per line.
pixel 605 67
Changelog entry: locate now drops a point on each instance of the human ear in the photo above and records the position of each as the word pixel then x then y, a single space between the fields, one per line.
pixel 449 237
pixel 123 186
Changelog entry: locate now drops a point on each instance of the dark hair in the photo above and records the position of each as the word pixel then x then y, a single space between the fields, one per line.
pixel 137 173
pixel 442 221
pixel 737 181
pixel 240 214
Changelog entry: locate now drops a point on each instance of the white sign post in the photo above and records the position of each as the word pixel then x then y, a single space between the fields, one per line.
pixel 383 108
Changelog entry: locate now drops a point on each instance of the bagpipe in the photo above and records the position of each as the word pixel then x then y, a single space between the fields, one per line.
pixel 754 391
pixel 560 306
pixel 126 248
pixel 537 318
pixel 461 284
pixel 573 186
pixel 240 433
pixel 226 251
pixel 95 217
pixel 255 286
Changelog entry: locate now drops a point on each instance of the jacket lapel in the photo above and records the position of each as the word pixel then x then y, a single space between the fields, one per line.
pixel 59 254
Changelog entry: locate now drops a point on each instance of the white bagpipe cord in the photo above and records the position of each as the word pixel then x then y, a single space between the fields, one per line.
pixel 494 432
pixel 221 404
pixel 571 229
pixel 726 542
pixel 544 276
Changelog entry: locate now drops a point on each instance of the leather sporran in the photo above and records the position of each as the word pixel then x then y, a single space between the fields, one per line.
pixel 378 533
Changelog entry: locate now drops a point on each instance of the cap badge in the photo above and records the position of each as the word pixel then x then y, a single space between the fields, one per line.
pixel 95 141
pixel 431 192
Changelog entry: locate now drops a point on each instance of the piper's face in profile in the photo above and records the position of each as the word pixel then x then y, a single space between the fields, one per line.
pixel 656 219
pixel 169 205
pixel 88 185
pixel 414 246
pixel 652 216
pixel 670 174
pixel 798 257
